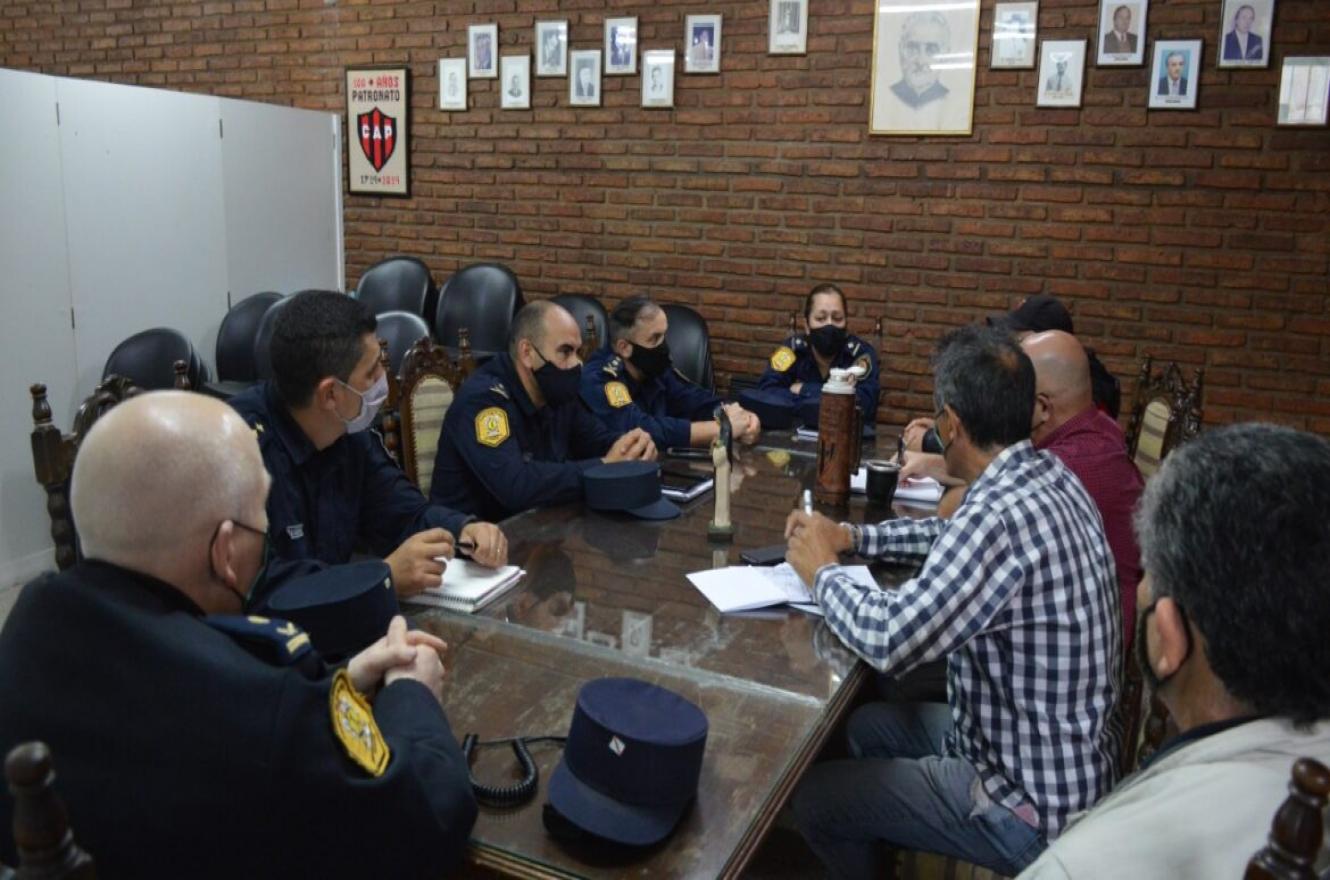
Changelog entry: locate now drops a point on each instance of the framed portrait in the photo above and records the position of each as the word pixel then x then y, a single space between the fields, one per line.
pixel 452 83
pixel 701 44
pixel 787 27
pixel 482 42
pixel 1244 33
pixel 515 82
pixel 551 48
pixel 584 82
pixel 658 78
pixel 620 46
pixel 923 67
pixel 1015 27
pixel 378 104
pixel 1304 91
pixel 1121 32
pixel 1061 73
pixel 1175 74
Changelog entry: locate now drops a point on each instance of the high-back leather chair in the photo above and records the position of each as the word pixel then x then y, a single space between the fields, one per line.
pixel 148 360
pixel 399 331
pixel 591 317
pixel 397 284
pixel 235 338
pixel 482 298
pixel 419 397
pixel 1167 413
pixel 690 344
pixel 263 339
pixel 45 845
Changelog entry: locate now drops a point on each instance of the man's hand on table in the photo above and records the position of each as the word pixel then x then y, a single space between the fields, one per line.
pixel 815 541
pixel 419 562
pixel 489 545
pixel 398 650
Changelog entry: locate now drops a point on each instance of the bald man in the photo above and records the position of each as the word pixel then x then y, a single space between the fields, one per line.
pixel 191 741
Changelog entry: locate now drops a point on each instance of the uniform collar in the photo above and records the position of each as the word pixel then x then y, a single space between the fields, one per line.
pixel 127 580
pixel 507 371
pixel 1199 732
pixel 293 437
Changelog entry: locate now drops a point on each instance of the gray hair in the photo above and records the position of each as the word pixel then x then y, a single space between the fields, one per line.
pixel 982 374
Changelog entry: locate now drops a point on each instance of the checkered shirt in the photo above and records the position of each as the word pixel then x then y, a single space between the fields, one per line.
pixel 1018 592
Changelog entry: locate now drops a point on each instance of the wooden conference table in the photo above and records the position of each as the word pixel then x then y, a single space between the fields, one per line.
pixel 605 595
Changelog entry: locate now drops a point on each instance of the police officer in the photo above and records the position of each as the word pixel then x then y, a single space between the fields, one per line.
pixel 516 436
pixel 803 362
pixel 191 741
pixel 334 485
pixel 633 384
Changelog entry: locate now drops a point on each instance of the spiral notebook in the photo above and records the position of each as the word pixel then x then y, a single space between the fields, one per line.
pixel 468 587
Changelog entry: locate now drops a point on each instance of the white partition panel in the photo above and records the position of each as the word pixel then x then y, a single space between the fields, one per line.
pixel 34 290
pixel 145 215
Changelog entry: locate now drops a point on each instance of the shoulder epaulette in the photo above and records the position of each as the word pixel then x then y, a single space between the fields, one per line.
pixel 678 372
pixel 498 389
pixel 613 367
pixel 798 342
pixel 272 640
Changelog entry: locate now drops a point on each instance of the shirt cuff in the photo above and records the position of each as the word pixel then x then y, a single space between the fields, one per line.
pixel 821 578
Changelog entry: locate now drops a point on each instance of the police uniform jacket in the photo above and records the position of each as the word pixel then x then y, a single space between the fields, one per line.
pixel 192 746
pixel 794 362
pixel 499 454
pixel 665 407
pixel 326 504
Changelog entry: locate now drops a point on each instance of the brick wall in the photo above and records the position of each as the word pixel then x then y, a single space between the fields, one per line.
pixel 1200 236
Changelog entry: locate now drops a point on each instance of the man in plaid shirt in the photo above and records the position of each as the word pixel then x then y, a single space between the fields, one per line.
pixel 1018 592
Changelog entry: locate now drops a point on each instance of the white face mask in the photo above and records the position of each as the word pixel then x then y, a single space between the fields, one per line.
pixel 370 401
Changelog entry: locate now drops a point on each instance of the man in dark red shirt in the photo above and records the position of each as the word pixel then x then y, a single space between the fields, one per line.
pixel 1091 445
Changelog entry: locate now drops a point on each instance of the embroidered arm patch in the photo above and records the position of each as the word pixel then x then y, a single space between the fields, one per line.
pixel 491 426
pixel 617 394
pixel 353 724
pixel 783 359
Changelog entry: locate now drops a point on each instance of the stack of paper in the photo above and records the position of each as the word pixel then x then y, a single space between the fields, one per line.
pixel 745 587
pixel 803 433
pixel 468 586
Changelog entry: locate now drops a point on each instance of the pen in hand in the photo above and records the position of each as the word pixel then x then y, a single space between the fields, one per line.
pixel 808 502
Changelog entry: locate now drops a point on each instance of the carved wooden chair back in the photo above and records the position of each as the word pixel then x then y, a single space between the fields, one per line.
pixel 426 387
pixel 1296 834
pixel 45 844
pixel 1166 414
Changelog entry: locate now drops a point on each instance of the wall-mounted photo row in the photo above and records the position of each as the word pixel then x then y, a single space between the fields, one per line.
pixel 584 83
pixel 1061 73
pixel 787 27
pixel 1175 74
pixel 452 83
pixel 658 78
pixel 1122 32
pixel 1304 91
pixel 551 48
pixel 483 51
pixel 515 82
pixel 1244 33
pixel 620 46
pixel 923 67
pixel 1015 28
pixel 702 37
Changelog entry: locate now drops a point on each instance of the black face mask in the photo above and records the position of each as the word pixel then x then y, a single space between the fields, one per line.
pixel 827 339
pixel 1152 681
pixel 558 386
pixel 653 362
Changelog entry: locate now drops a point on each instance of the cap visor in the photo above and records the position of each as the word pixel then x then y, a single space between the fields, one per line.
pixel 661 508
pixel 592 811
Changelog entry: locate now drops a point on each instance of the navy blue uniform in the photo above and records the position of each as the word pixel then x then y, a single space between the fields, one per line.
pixel 499 455
pixel 794 362
pixel 665 407
pixel 324 505
pixel 184 752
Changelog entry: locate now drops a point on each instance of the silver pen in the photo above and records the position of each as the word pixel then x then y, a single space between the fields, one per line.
pixel 808 502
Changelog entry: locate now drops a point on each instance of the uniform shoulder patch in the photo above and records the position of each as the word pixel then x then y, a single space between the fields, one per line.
pixel 783 359
pixel 617 394
pixel 491 426
pixel 273 641
pixel 354 726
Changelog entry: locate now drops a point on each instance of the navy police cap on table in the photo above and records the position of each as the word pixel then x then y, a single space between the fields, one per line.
pixel 632 761
pixel 632 486
pixel 775 409
pixel 344 608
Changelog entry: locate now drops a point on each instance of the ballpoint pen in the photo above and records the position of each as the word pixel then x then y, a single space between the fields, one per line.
pixel 808 502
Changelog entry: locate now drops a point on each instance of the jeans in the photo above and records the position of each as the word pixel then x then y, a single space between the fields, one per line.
pixel 899 789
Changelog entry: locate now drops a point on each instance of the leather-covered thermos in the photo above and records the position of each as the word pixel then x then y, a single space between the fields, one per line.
pixel 838 439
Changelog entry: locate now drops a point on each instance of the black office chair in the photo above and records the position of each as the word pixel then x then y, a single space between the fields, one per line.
pixel 690 344
pixel 482 298
pixel 148 360
pixel 400 330
pixel 263 339
pixel 581 307
pixel 235 338
pixel 397 284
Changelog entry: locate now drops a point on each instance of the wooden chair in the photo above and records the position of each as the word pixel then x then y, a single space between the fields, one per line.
pixel 53 454
pixel 590 340
pixel 419 399
pixel 1296 832
pixel 46 847
pixel 1166 414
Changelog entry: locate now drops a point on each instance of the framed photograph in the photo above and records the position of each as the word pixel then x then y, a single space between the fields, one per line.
pixel 515 82
pixel 482 42
pixel 1122 32
pixel 702 39
pixel 1304 91
pixel 1175 74
pixel 787 27
pixel 923 66
pixel 1061 73
pixel 378 106
pixel 551 48
pixel 658 78
pixel 452 83
pixel 584 84
pixel 1015 27
pixel 1244 33
pixel 620 46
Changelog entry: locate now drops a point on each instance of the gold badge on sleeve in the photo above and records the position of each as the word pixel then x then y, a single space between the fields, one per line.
pixel 491 426
pixel 617 394
pixel 353 723
pixel 783 359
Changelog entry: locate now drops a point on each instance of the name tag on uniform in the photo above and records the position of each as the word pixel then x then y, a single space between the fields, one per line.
pixel 296 532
